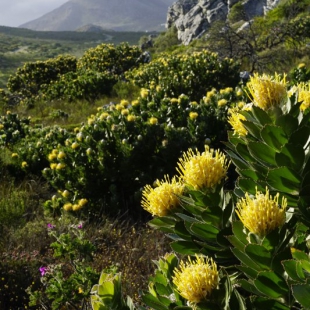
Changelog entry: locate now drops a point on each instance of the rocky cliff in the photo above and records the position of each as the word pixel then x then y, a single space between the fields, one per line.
pixel 193 17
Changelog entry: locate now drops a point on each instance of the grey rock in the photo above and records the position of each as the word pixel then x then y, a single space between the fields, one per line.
pixel 192 18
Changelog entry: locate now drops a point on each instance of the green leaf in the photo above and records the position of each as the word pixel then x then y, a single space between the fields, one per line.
pixel 299 255
pixel 262 117
pixel 291 266
pixel 185 247
pixel 260 255
pixel 213 215
pixel 271 241
pixel 262 152
pixel 166 224
pixel 271 285
pixel 153 302
pixel 291 156
pixel 302 292
pixel 249 186
pixel 300 136
pixel 274 136
pixel 284 180
pixel 248 286
pixel 236 242
pixel 160 278
pixel 205 232
pixel 181 231
pixel 245 259
pixel 305 264
pixel 249 272
pixel 248 173
pixel 266 303
pixel 237 301
pixel 186 218
pixel 239 162
pixel 238 231
pixel 288 123
pixel 252 128
pixel 243 151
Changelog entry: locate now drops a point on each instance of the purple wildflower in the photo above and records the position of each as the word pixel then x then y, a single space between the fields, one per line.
pixel 50 226
pixel 80 226
pixel 43 270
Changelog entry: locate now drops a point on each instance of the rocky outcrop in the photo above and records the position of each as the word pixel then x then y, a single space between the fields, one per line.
pixel 192 18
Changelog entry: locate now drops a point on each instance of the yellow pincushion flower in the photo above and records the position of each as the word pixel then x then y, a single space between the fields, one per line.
pixel 222 102
pixel 131 118
pixel 195 280
pixel 162 199
pixel 135 103
pixel 153 121
pixel 144 93
pixel 203 170
pixel 82 202
pixel 235 120
pixel 304 95
pixel 193 115
pixel 67 206
pixel 124 102
pixel 261 214
pixel 267 91
pixel 103 116
pixel 125 112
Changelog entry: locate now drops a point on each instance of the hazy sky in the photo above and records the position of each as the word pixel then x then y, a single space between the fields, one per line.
pixel 16 12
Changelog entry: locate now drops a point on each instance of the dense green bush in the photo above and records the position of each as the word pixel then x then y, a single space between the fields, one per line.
pixel 192 74
pixel 107 57
pixel 28 80
pixel 12 129
pixel 88 85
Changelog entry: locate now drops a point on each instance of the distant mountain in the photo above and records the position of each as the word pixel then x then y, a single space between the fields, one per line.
pixel 119 15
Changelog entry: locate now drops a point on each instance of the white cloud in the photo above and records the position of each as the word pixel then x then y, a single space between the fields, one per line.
pixel 16 12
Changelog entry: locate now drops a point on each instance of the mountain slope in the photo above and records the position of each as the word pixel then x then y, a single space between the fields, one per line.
pixel 122 15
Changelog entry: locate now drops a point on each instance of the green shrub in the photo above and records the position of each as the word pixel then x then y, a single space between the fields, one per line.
pixel 191 74
pixel 27 82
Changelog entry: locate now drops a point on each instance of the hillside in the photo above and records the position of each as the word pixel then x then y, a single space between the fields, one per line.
pixel 20 45
pixel 120 15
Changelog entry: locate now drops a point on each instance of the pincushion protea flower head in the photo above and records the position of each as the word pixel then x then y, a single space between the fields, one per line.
pixel 261 214
pixel 267 91
pixel 304 95
pixel 196 279
pixel 164 198
pixel 203 170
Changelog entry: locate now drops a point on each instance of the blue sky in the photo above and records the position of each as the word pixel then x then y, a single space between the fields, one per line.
pixel 16 12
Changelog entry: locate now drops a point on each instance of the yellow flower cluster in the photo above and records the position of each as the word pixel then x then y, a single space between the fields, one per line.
pixel 162 199
pixel 261 214
pixel 75 207
pixel 226 91
pixel 267 91
pixel 203 170
pixel 210 94
pixel 195 280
